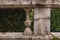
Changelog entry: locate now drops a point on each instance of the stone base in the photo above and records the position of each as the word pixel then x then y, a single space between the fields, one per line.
pixel 28 38
pixel 20 36
pixel 15 38
pixel 42 37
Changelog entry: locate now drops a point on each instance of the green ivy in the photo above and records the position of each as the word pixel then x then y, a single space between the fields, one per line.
pixel 55 20
pixel 32 18
pixel 12 20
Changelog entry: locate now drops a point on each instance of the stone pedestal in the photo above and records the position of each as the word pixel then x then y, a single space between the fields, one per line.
pixel 41 21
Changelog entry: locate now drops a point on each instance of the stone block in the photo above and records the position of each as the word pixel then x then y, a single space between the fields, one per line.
pixel 36 27
pixel 41 13
pixel 26 1
pixel 41 2
pixel 41 26
pixel 33 1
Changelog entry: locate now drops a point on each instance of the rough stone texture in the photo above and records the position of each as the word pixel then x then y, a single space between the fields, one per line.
pixel 41 21
pixel 43 1
pixel 25 37
pixel 41 13
pixel 46 2
pixel 15 2
pixel 28 1
pixel 15 38
pixel 46 37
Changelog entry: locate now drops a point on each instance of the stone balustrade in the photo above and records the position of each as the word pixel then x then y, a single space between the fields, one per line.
pixel 41 16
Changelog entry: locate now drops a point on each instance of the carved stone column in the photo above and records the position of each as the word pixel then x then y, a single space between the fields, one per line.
pixel 27 23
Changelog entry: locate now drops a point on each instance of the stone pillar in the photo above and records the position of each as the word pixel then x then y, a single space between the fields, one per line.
pixel 27 23
pixel 41 21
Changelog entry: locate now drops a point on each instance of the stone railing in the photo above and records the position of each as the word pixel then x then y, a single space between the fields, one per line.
pixel 41 17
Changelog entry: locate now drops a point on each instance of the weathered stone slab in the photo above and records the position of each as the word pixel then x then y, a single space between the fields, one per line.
pixel 11 35
pixel 46 37
pixel 41 26
pixel 16 37
pixel 46 2
pixel 56 2
pixel 42 21
pixel 33 1
pixel 41 13
pixel 41 2
pixel 36 27
pixel 15 2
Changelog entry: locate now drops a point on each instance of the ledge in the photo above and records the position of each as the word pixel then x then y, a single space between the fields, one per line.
pixel 28 4
pixel 20 36
pixel 57 34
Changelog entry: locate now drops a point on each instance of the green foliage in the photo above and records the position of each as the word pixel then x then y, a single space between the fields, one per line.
pixel 56 38
pixel 12 20
pixel 32 18
pixel 32 15
pixel 55 20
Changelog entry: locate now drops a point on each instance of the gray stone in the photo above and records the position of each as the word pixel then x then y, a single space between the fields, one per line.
pixel 42 21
